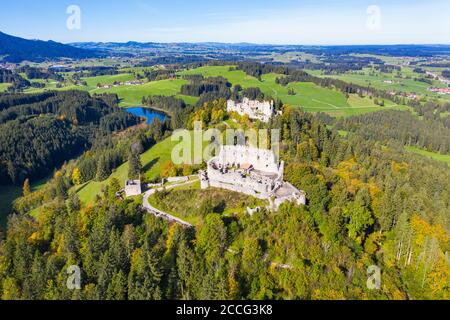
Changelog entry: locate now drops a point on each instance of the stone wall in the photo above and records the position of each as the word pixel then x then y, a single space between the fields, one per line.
pixel 261 159
pixel 263 179
pixel 255 109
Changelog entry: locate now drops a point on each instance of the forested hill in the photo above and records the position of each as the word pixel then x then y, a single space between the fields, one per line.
pixel 18 49
pixel 401 126
pixel 40 131
pixel 368 205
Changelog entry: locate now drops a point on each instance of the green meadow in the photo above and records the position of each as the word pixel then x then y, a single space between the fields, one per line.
pixel 152 163
pixel 108 79
pixel 132 95
pixel 4 86
pixel 309 96
pixel 432 155
pixel 11 192
pixel 405 82
pixel 185 202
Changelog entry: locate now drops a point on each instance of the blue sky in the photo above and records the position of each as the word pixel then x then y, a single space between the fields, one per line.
pixel 257 21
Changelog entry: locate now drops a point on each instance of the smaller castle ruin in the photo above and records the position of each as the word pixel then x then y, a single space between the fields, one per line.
pixel 251 171
pixel 133 188
pixel 255 109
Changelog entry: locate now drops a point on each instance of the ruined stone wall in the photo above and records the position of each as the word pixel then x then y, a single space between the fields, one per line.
pixel 262 111
pixel 261 159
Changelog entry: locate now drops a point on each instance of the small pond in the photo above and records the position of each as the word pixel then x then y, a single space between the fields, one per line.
pixel 146 113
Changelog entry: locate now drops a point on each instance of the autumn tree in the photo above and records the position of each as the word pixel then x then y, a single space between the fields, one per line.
pixel 76 176
pixel 26 187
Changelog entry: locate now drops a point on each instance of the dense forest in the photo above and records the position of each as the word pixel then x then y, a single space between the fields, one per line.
pixel 40 131
pixel 368 204
pixel 401 126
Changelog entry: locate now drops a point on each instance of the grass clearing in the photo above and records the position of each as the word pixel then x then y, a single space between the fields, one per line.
pixel 11 192
pixel 4 86
pixel 152 163
pixel 132 95
pixel 432 155
pixel 189 202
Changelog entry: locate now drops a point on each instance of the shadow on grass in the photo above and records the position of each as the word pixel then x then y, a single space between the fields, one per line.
pixel 150 165
pixel 83 186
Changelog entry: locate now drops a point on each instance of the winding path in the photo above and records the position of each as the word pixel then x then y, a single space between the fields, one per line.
pixel 161 214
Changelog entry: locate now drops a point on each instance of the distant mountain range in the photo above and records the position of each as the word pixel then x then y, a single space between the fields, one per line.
pixel 415 50
pixel 15 49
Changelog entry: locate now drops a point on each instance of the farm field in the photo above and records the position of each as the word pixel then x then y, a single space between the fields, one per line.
pixel 308 95
pixel 108 79
pixel 433 155
pixel 132 95
pixel 377 80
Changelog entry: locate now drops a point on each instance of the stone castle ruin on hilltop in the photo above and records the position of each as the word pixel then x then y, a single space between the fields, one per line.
pixel 255 109
pixel 252 171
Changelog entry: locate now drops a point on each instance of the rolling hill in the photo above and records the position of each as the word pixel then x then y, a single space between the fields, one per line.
pixel 15 49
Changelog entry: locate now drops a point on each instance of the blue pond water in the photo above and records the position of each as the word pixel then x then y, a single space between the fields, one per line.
pixel 146 113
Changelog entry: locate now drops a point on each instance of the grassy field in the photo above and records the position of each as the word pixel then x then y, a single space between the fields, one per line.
pixel 108 79
pixel 433 155
pixel 11 192
pixel 187 202
pixel 308 95
pixel 379 80
pixel 132 95
pixel 4 86
pixel 152 162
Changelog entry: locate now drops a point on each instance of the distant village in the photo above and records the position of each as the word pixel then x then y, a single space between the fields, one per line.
pixel 120 84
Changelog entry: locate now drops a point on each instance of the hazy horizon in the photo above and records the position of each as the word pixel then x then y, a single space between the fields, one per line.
pixel 287 22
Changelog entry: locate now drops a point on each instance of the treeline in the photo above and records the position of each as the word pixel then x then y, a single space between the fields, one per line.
pixel 258 69
pixel 38 73
pixel 7 76
pixel 163 74
pixel 18 83
pixel 76 106
pixel 199 86
pixel 40 131
pixel 251 93
pixel 107 153
pixel 401 126
pixel 94 71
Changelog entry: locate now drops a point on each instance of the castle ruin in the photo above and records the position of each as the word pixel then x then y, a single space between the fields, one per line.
pixel 255 109
pixel 252 171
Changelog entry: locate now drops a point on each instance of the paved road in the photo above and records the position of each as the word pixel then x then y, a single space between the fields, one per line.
pixel 161 214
